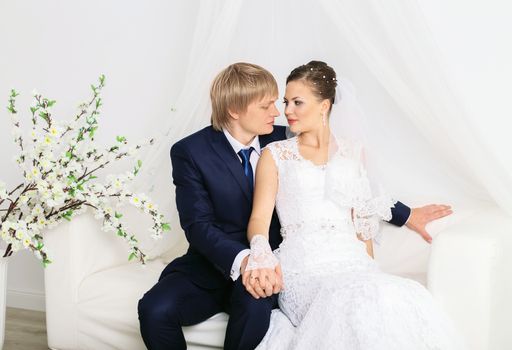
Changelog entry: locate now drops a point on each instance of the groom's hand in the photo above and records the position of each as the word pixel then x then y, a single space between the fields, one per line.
pixel 420 217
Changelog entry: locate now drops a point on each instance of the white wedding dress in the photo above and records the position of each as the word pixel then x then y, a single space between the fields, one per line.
pixel 335 296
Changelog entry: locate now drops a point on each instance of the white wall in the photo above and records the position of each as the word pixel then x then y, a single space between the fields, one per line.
pixel 59 48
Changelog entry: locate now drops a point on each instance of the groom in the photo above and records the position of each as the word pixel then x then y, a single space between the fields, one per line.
pixel 213 173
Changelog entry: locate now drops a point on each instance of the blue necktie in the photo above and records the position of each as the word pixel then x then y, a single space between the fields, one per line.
pixel 245 154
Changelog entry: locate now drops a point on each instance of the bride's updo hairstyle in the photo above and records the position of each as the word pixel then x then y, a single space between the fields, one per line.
pixel 319 76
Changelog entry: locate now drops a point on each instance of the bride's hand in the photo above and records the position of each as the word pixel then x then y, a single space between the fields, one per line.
pixel 262 283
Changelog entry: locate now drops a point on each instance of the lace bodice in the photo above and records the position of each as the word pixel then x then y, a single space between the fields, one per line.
pixel 326 195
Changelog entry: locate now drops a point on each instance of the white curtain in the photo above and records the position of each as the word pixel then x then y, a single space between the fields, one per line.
pixel 427 144
pixel 159 55
pixel 393 41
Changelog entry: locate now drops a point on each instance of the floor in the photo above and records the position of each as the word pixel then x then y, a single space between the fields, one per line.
pixel 25 330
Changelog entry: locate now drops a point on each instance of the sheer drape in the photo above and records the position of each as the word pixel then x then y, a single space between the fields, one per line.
pixel 392 39
pixel 427 146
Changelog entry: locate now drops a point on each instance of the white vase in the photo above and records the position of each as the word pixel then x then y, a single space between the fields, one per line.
pixel 3 292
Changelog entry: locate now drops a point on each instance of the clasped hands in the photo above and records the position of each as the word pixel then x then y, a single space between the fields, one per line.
pixel 261 271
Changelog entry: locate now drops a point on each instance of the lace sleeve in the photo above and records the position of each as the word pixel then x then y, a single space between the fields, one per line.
pixel 282 150
pixel 274 152
pixel 368 213
pixel 356 192
pixel 369 210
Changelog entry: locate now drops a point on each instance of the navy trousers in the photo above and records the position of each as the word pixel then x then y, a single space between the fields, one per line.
pixel 176 301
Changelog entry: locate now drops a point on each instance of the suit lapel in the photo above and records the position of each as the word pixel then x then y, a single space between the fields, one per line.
pixel 224 150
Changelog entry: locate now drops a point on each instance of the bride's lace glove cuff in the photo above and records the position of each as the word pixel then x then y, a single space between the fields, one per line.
pixel 261 256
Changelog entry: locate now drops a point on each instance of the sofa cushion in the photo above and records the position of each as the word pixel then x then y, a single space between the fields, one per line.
pixel 107 307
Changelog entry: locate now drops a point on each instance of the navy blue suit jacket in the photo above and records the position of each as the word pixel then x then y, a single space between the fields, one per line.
pixel 214 202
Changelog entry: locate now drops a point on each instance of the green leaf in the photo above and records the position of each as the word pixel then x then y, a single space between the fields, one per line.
pixel 67 215
pixel 102 79
pixel 80 187
pixel 92 178
pixel 121 139
pixel 80 136
pixel 92 132
pixel 33 110
pixel 139 163
pixel 45 116
pixel 46 262
pixel 166 226
pixel 132 255
pixel 69 154
pixel 51 103
pixel 118 215
pixel 121 233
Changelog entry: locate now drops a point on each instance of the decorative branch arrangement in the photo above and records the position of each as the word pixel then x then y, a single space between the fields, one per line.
pixel 60 162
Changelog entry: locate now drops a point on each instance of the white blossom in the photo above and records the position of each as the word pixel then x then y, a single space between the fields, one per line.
pixel 4 235
pixel 38 255
pixel 15 245
pixel 42 222
pixel 47 140
pixel 34 173
pixel 3 191
pixel 155 234
pixel 132 151
pixel 54 131
pixel 107 227
pixel 135 200
pixel 23 199
pixel 148 206
pixel 37 210
pixel 108 211
pixel 93 199
pixel 26 242
pixel 98 214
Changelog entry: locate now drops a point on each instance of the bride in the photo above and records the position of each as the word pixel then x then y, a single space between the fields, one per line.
pixel 334 295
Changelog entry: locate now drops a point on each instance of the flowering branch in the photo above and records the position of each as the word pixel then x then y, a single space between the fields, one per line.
pixel 59 165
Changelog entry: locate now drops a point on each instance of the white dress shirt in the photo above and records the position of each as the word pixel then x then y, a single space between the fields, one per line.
pixel 255 157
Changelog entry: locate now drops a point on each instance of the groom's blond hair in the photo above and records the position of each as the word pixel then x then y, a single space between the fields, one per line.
pixel 235 88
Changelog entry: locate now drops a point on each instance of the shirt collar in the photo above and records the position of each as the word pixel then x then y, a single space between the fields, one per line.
pixel 238 146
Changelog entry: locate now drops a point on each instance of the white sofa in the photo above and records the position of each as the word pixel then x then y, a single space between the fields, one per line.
pixel 92 290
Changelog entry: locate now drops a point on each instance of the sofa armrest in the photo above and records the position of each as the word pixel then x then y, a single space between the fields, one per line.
pixel 77 249
pixel 469 273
